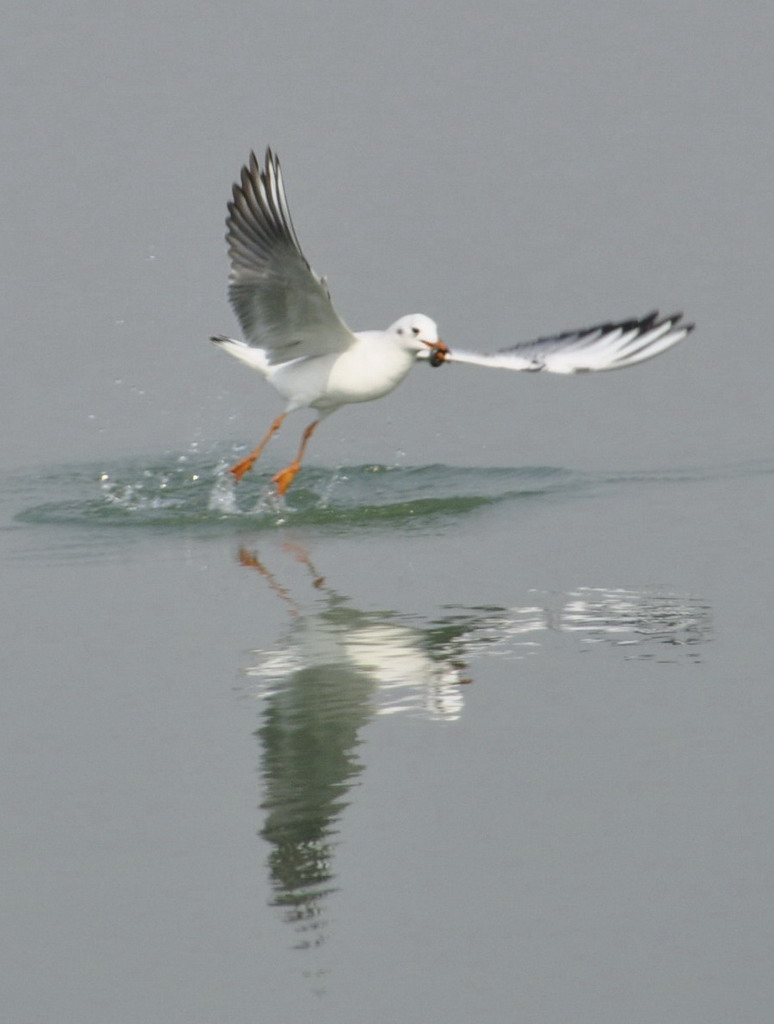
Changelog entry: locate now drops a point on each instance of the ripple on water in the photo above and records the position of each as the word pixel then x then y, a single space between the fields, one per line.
pixel 194 489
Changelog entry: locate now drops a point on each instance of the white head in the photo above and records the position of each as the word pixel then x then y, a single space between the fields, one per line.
pixel 416 333
pixel 417 330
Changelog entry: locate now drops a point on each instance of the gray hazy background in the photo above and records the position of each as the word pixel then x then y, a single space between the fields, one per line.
pixel 453 743
pixel 511 169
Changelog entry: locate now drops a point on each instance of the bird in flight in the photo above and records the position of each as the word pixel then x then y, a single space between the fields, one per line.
pixel 297 340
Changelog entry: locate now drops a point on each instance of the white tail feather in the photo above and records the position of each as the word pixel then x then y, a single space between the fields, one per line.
pixel 254 357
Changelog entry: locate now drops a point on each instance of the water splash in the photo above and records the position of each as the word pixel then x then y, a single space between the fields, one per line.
pixel 222 498
pixel 195 489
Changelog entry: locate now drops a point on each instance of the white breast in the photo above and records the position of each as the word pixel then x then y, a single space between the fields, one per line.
pixel 369 369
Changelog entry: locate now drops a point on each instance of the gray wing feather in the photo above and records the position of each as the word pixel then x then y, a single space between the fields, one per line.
pixel 608 346
pixel 283 307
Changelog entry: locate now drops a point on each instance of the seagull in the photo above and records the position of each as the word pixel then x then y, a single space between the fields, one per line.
pixel 296 339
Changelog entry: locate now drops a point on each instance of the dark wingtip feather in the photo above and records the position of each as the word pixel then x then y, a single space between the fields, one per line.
pixel 676 318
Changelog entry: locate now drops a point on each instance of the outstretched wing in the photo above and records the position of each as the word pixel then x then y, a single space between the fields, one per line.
pixel 608 346
pixel 283 307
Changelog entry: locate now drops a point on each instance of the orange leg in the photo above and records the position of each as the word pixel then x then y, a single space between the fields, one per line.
pixel 286 476
pixel 247 558
pixel 246 464
pixel 299 552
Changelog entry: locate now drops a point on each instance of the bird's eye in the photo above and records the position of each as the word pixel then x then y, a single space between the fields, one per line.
pixel 400 330
pixel 415 330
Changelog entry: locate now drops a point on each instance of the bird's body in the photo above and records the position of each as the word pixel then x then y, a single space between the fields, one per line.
pixel 373 366
pixel 298 342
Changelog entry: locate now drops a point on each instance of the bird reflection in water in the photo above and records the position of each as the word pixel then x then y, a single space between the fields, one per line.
pixel 320 688
pixel 336 667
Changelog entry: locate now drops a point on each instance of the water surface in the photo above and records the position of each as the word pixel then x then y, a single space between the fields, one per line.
pixel 507 724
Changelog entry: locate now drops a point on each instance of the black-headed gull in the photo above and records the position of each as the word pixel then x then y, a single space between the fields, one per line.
pixel 297 340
